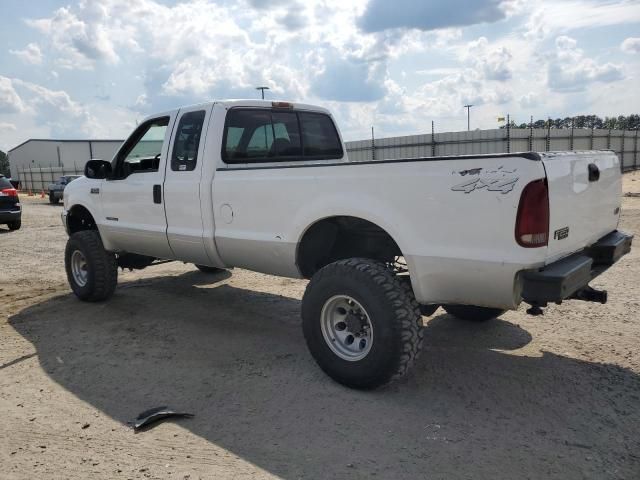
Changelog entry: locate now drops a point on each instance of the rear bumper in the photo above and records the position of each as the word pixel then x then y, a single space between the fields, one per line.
pixel 562 279
pixel 10 215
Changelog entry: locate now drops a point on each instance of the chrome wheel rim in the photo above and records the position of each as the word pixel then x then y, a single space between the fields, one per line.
pixel 346 327
pixel 79 268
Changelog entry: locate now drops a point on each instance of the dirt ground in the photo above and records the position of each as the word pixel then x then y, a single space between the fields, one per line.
pixel 556 396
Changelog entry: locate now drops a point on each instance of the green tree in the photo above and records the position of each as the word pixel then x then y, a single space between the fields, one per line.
pixel 4 164
pixel 621 122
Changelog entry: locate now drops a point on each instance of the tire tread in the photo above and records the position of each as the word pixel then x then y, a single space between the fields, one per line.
pixel 399 294
pixel 105 275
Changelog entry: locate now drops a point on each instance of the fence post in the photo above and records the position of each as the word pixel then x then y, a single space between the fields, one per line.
pixel 622 153
pixel 531 134
pixel 373 145
pixel 591 138
pixel 433 139
pixel 508 134
pixel 571 136
pixel 635 151
pixel 609 140
pixel 548 139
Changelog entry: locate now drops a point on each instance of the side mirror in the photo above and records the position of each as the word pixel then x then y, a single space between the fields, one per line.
pixel 97 169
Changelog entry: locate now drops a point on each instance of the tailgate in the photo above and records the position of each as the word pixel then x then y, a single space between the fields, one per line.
pixel 584 199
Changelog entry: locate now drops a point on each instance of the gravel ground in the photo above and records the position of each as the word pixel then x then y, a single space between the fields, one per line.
pixel 555 396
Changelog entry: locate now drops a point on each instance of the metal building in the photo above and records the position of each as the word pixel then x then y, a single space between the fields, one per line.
pixel 57 157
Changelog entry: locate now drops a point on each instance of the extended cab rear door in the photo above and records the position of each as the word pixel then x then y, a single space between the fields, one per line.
pixel 182 184
pixel 584 199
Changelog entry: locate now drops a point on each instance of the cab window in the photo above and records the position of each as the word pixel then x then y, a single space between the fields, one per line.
pixel 261 135
pixel 141 153
pixel 185 147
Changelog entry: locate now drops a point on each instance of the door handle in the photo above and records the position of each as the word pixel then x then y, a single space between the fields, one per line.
pixel 157 194
pixel 594 172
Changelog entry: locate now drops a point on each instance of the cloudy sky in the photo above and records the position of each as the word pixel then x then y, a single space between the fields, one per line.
pixel 85 68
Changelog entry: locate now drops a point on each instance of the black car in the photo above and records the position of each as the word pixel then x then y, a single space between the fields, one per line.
pixel 10 209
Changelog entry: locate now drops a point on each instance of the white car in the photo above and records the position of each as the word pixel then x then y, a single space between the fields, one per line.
pixel 267 186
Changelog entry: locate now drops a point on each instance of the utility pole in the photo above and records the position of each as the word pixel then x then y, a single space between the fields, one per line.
pixel 373 145
pixel 468 107
pixel 262 89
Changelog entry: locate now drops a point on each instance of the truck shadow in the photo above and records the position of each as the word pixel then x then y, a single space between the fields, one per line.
pixel 237 359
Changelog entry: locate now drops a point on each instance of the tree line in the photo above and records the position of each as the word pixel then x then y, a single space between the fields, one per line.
pixel 4 164
pixel 621 122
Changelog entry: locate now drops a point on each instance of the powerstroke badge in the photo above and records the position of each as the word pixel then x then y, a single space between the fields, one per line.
pixel 499 180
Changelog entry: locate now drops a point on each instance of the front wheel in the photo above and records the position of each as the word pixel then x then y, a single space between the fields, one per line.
pixel 92 272
pixel 471 313
pixel 362 326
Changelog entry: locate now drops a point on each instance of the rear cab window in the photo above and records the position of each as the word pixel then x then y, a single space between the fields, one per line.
pixel 185 148
pixel 253 135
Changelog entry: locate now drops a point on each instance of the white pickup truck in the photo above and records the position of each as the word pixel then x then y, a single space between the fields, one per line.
pixel 267 186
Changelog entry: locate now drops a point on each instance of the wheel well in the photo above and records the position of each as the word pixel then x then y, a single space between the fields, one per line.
pixel 79 218
pixel 340 237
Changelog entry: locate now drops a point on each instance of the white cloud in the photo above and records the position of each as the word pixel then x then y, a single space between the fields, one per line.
pixel 631 45
pixel 82 39
pixel 31 54
pixel 530 100
pixel 55 108
pixel 142 101
pixel 569 70
pixel 493 62
pixel 10 101
pixel 548 17
pixel 7 127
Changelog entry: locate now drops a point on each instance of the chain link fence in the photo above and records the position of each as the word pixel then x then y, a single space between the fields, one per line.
pixel 37 179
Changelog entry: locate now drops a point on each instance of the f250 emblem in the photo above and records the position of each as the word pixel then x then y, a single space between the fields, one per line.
pixel 561 233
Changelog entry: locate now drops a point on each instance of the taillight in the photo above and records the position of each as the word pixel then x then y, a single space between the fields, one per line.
pixel 8 192
pixel 532 222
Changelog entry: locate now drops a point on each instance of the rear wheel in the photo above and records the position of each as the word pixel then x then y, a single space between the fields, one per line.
pixel 92 272
pixel 15 225
pixel 205 269
pixel 52 198
pixel 362 326
pixel 472 313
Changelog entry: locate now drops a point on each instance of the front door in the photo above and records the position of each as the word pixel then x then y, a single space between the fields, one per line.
pixel 182 185
pixel 132 200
